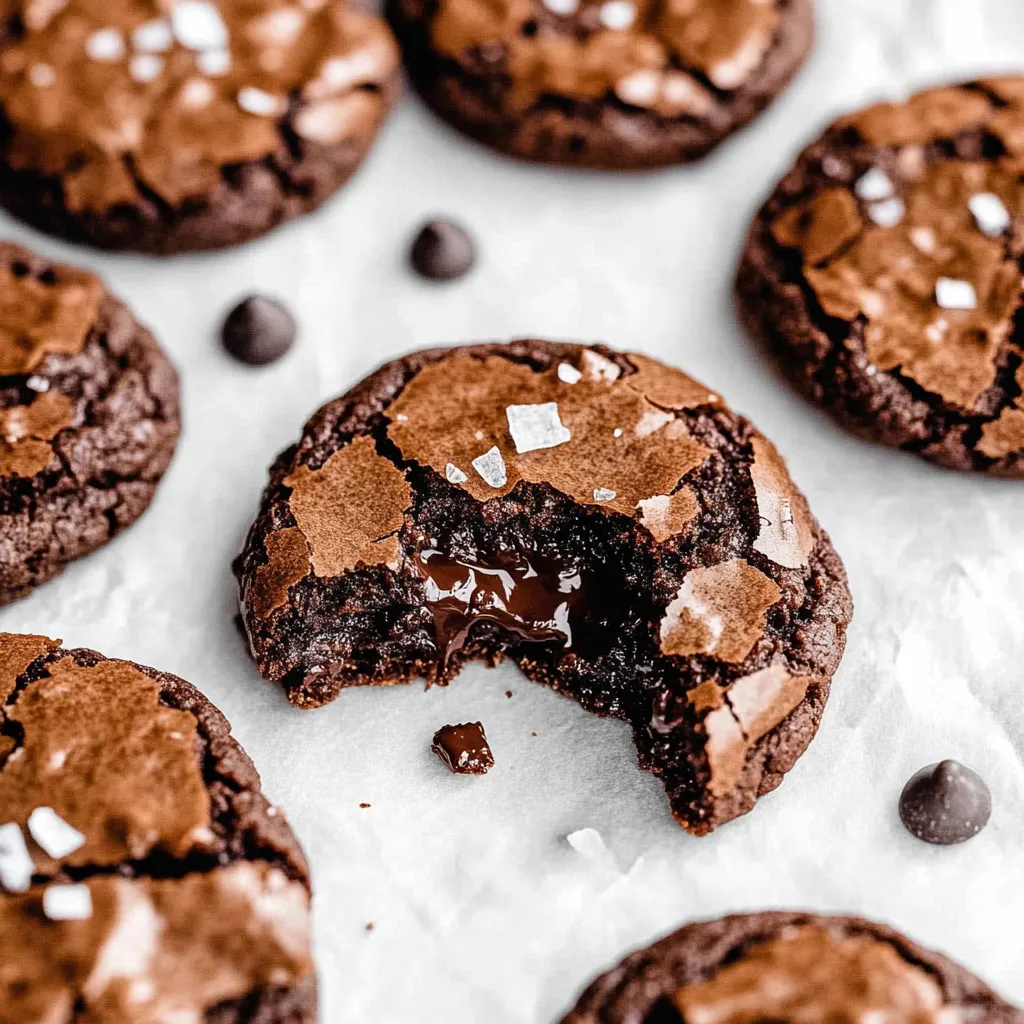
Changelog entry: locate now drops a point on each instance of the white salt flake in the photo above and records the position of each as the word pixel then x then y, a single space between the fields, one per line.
pixel 597 367
pixel 35 383
pixel 888 213
pixel 153 36
pixel 42 75
pixel 617 432
pixel 105 45
pixel 617 14
pixel 641 88
pixel 536 426
pixel 562 7
pixel 196 92
pixel 197 25
pixel 568 374
pixel 53 833
pixel 603 494
pixel 67 902
pixel 588 843
pixel 214 62
pixel 873 185
pixel 145 67
pixel 991 216
pixel 491 466
pixel 454 475
pixel 16 865
pixel 256 101
pixel 953 294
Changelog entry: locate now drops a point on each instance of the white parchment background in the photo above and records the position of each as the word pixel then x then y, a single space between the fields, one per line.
pixel 481 909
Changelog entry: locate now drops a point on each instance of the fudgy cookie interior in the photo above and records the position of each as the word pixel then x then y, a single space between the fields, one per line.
pixel 659 567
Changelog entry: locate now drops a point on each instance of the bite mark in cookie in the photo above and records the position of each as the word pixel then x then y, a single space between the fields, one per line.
pixel 158 885
pixel 886 273
pixel 139 111
pixel 600 518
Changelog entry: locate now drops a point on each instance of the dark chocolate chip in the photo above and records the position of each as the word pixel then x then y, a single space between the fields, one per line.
pixel 463 748
pixel 442 251
pixel 258 331
pixel 945 803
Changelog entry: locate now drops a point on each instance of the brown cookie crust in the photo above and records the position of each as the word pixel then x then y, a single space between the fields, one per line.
pixel 125 128
pixel 240 825
pixel 320 619
pixel 885 202
pixel 640 989
pixel 89 412
pixel 676 116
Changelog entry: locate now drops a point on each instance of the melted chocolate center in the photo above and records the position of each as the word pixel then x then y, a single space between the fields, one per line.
pixel 538 599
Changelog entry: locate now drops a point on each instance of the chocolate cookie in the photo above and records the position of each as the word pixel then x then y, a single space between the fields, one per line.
pixel 183 125
pixel 88 418
pixel 602 83
pixel 600 519
pixel 885 273
pixel 143 875
pixel 784 966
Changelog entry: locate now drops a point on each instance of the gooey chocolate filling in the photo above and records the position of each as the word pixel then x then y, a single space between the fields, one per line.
pixel 537 598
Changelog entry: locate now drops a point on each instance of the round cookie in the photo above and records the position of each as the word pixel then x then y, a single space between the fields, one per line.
pixel 788 966
pixel 143 875
pixel 602 83
pixel 884 272
pixel 598 518
pixel 88 418
pixel 184 125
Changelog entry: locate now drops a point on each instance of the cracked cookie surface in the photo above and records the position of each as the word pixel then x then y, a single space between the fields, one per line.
pixel 613 84
pixel 885 274
pixel 781 965
pixel 186 125
pixel 143 874
pixel 89 418
pixel 599 518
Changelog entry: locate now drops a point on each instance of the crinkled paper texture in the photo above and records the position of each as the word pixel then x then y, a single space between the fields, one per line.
pixel 481 909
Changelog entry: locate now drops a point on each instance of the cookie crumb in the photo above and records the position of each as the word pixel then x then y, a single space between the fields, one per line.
pixel 508 693
pixel 364 806
pixel 463 748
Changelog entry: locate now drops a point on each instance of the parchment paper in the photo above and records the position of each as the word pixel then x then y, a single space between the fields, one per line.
pixel 481 908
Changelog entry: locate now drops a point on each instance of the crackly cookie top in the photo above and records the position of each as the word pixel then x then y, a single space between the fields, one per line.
pixel 97 773
pixel 911 230
pixel 669 57
pixel 812 973
pixel 120 96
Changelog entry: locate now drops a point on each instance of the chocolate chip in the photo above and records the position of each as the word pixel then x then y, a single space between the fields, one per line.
pixel 442 251
pixel 463 748
pixel 945 803
pixel 258 331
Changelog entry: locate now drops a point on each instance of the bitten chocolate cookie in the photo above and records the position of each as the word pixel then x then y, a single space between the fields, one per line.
pixel 885 273
pixel 88 418
pixel 602 83
pixel 143 875
pixel 600 519
pixel 783 966
pixel 177 125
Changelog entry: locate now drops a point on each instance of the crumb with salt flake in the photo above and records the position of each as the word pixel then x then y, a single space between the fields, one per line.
pixel 463 748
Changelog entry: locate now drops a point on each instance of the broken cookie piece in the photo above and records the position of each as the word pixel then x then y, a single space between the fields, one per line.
pixel 599 518
pixel 463 748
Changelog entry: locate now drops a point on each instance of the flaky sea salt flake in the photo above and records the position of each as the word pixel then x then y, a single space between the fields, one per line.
pixel 15 863
pixel 106 45
pixel 617 14
pixel 39 384
pixel 53 833
pixel 536 426
pixel 262 104
pixel 197 25
pixel 67 902
pixel 454 475
pixel 568 374
pixel 888 213
pixel 491 467
pixel 214 62
pixel 153 36
pixel 873 185
pixel 953 294
pixel 991 216
pixel 562 7
pixel 603 494
pixel 145 67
